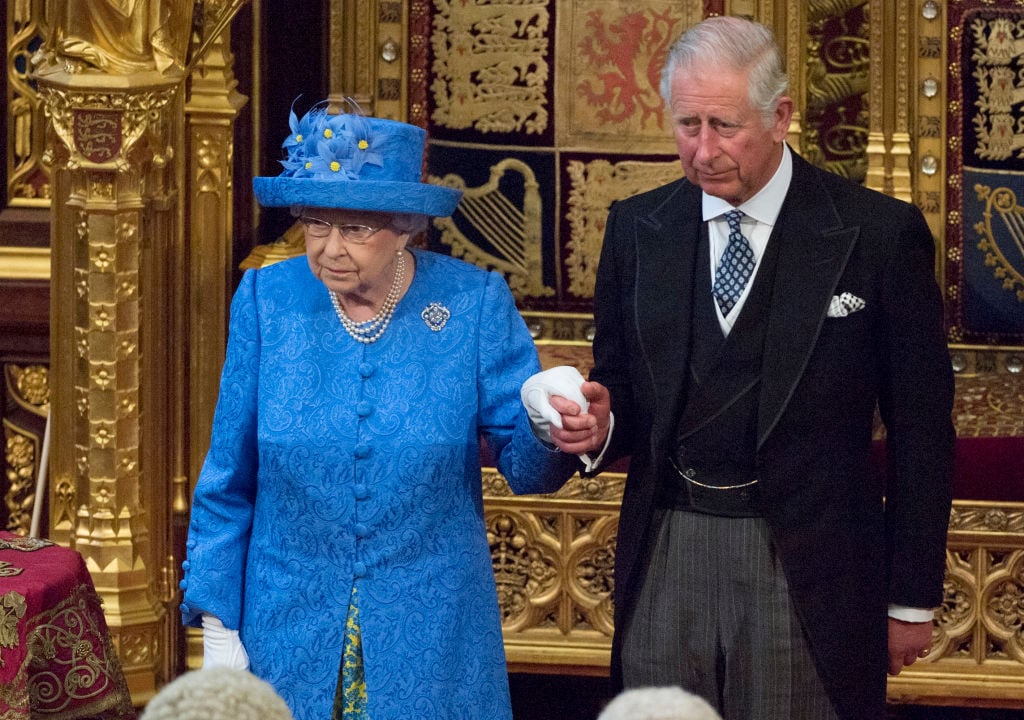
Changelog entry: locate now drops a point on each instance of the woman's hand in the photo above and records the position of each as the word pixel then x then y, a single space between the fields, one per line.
pixel 222 647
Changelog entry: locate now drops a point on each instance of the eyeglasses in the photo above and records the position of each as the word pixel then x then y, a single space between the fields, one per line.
pixel 350 232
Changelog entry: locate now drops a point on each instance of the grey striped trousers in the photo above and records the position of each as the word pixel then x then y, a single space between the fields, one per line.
pixel 714 616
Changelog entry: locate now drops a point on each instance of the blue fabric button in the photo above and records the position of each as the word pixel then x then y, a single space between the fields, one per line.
pixel 361 530
pixel 359 569
pixel 363 451
pixel 366 369
pixel 183 585
pixel 185 566
pixel 364 408
pixel 361 491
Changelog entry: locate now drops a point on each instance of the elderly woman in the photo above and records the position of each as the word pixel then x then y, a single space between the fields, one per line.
pixel 337 539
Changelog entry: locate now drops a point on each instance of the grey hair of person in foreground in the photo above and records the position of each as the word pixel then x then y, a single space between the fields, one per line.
pixel 658 703
pixel 733 43
pixel 217 693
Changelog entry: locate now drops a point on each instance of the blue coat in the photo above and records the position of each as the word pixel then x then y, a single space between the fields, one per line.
pixel 335 464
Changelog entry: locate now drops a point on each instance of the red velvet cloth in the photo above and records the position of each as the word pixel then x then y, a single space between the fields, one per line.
pixel 56 657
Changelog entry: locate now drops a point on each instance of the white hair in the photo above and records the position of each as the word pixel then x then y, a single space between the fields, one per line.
pixel 658 703
pixel 217 693
pixel 732 43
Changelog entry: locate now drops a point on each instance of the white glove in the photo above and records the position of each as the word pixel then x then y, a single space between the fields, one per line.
pixel 563 380
pixel 222 647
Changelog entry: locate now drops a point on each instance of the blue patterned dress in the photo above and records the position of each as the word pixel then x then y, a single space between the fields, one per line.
pixel 335 465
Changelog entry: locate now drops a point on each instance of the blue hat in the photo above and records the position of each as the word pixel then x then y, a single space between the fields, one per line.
pixel 354 162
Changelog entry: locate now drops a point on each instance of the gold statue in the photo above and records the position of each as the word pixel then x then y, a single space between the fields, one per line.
pixel 118 36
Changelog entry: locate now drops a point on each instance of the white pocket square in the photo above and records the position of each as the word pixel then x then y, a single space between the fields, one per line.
pixel 843 305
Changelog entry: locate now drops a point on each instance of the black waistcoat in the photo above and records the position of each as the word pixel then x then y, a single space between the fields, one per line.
pixel 718 424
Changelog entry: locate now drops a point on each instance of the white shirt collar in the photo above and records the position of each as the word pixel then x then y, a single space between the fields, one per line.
pixel 764 207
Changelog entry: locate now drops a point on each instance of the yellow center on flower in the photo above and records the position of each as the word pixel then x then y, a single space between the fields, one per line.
pixel 335 166
pixel 328 133
pixel 298 138
pixel 363 144
pixel 309 165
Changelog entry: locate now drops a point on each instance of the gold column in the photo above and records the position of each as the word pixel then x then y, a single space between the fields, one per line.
pixel 901 138
pixel 790 33
pixel 353 31
pixel 112 212
pixel 213 105
pixel 881 59
pixel 890 148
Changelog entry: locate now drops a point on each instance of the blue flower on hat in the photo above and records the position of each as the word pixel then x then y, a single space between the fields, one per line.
pixel 326 146
pixel 301 143
pixel 356 162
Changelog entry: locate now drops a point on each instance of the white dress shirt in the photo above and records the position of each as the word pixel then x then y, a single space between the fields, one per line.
pixel 760 213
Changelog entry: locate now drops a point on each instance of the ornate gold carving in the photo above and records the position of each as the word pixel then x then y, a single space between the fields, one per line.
pixel 593 188
pixel 28 177
pixel 1001 245
pixel 65 501
pixel 1003 605
pixel 957 616
pixel 138 646
pixel 71 110
pixel 31 385
pixel 27 389
pixel 900 149
pixel 592 564
pixel 19 497
pixel 604 488
pixel 526 566
pixel 513 232
pixel 490 65
pixel 553 559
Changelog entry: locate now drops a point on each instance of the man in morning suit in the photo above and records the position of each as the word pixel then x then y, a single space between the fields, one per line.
pixel 761 562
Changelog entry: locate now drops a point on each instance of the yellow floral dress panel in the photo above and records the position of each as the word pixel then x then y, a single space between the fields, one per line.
pixel 350 698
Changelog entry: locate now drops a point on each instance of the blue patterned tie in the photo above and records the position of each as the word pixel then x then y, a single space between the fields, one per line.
pixel 735 267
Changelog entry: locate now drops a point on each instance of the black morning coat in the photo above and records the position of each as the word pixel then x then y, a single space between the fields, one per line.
pixel 849 543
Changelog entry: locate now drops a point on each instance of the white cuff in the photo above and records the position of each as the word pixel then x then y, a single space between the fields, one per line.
pixel 909 614
pixel 588 464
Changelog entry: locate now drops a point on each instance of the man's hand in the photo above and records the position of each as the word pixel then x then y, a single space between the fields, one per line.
pixel 908 641
pixel 582 432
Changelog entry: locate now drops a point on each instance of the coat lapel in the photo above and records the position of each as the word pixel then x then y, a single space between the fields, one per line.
pixel 665 249
pixel 814 247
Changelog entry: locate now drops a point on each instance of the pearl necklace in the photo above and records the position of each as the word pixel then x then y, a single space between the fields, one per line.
pixel 370 330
